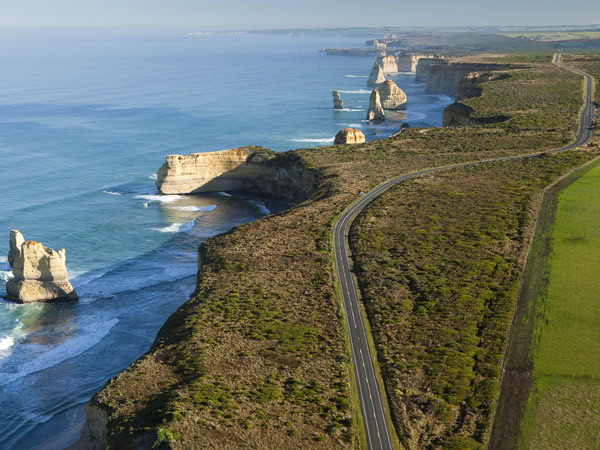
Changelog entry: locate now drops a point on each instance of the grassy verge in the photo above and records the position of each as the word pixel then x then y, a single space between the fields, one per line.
pixel 564 408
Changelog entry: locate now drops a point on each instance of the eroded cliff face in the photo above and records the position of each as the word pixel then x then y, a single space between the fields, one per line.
pixel 469 86
pixel 253 169
pixel 445 78
pixel 422 68
pixel 400 63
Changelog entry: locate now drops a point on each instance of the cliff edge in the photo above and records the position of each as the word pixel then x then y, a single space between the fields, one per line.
pixel 253 169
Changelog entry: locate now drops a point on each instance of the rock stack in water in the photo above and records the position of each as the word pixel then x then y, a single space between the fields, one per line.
pixel 40 273
pixel 377 77
pixel 337 100
pixel 349 136
pixel 392 97
pixel 375 111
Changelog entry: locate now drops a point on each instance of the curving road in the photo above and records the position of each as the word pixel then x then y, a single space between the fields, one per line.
pixel 370 397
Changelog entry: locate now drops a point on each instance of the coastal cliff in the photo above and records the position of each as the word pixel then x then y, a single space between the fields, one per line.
pixel 422 68
pixel 445 78
pixel 253 169
pixel 469 86
pixel 406 62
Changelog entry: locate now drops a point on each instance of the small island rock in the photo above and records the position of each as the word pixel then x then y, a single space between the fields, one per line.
pixel 349 136
pixel 337 100
pixel 375 111
pixel 392 97
pixel 40 273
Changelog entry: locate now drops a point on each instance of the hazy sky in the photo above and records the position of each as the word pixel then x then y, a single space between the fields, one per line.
pixel 232 14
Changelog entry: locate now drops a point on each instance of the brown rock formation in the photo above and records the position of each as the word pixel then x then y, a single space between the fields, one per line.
pixel 337 100
pixel 375 111
pixel 457 114
pixel 349 136
pixel 392 97
pixel 40 273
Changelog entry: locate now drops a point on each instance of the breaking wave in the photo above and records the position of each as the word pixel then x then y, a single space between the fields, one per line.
pixel 160 198
pixel 317 140
pixel 195 208
pixel 177 227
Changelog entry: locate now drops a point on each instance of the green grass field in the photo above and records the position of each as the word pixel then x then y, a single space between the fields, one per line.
pixel 564 408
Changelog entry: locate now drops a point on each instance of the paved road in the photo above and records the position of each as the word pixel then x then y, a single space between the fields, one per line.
pixel 370 397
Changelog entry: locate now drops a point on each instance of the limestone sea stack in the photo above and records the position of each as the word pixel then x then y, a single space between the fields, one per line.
pixel 392 97
pixel 375 111
pixel 349 136
pixel 40 273
pixel 376 77
pixel 337 100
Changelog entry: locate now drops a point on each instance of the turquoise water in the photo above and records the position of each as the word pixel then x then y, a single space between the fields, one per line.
pixel 86 119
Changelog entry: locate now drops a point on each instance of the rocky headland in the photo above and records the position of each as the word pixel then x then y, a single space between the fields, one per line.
pixel 40 273
pixel 349 136
pixel 337 100
pixel 445 77
pixel 252 169
pixel 469 86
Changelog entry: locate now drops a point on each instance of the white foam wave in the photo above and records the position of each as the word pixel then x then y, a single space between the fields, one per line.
pixel 224 194
pixel 317 140
pixel 160 198
pixel 6 343
pixel 355 125
pixel 349 109
pixel 5 275
pixel 3 259
pixel 153 177
pixel 356 76
pixel 176 227
pixel 196 208
pixel 86 339
pixel 356 91
pixel 260 205
pixel 111 193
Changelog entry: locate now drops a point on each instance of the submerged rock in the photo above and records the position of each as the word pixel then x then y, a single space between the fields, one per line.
pixel 40 273
pixel 377 77
pixel 375 111
pixel 392 97
pixel 337 100
pixel 349 136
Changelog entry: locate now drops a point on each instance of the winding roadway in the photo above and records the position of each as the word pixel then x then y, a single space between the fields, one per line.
pixel 370 397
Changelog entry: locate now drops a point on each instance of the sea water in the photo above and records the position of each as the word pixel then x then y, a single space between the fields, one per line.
pixel 86 119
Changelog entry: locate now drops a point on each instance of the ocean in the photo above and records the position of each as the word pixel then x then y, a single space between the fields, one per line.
pixel 86 119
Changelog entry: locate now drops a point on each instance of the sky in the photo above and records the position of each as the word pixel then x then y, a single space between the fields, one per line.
pixel 252 14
